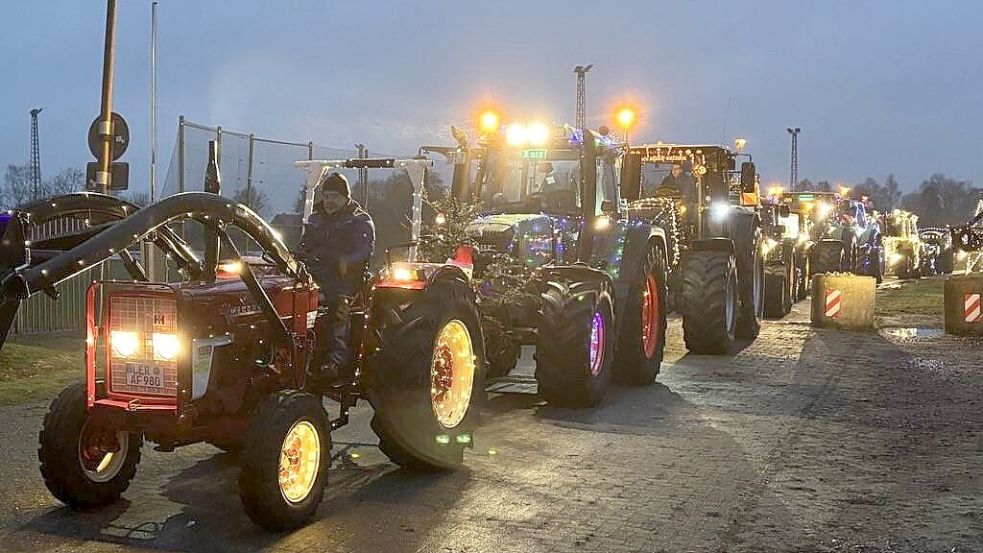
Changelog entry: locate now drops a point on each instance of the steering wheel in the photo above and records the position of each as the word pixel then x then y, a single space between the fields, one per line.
pixel 668 192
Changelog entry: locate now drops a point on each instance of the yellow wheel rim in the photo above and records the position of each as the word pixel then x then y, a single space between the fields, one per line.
pixel 300 457
pixel 452 374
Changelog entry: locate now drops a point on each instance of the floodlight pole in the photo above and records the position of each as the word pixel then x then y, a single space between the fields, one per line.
pixel 793 178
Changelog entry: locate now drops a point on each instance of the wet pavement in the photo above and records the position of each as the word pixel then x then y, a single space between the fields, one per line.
pixel 805 440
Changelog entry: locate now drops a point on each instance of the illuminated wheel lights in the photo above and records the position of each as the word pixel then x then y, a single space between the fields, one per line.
pixel 650 316
pixel 597 343
pixel 452 374
pixel 300 458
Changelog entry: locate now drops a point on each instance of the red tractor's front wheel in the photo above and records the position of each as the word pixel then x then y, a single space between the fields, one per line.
pixel 85 462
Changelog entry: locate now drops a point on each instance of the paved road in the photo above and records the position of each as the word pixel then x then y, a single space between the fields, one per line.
pixel 806 440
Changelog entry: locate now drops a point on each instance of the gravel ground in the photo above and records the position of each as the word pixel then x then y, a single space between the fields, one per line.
pixel 805 440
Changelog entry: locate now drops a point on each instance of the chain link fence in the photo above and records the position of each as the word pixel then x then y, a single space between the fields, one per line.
pixel 255 171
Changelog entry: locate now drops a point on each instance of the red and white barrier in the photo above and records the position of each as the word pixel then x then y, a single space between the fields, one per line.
pixel 972 312
pixel 833 301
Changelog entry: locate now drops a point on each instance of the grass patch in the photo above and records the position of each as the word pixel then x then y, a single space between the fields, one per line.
pixel 38 367
pixel 913 297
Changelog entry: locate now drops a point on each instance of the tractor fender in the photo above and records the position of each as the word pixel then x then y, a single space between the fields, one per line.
pixel 713 244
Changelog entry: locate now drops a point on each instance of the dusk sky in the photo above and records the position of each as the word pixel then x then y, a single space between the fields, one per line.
pixel 876 86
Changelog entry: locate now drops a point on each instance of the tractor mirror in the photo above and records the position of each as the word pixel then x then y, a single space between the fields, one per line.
pixel 784 211
pixel 631 176
pixel 748 177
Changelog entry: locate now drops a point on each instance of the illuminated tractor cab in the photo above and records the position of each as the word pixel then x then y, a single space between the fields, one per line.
pixel 903 247
pixel 848 239
pixel 561 264
pixel 223 356
pixel 718 285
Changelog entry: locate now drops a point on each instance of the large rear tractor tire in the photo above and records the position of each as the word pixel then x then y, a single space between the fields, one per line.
pixel 751 278
pixel 575 343
pixel 804 276
pixel 642 339
pixel 285 460
pixel 85 463
pixel 427 374
pixel 827 257
pixel 776 291
pixel 710 301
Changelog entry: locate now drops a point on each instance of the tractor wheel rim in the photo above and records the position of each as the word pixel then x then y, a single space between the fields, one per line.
pixel 597 343
pixel 452 374
pixel 100 464
pixel 650 316
pixel 300 460
pixel 730 305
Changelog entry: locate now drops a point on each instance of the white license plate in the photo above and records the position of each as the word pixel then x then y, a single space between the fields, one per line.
pixel 146 376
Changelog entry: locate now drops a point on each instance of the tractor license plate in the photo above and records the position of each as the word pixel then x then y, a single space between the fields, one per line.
pixel 150 378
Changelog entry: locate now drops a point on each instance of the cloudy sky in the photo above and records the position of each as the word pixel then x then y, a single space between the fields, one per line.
pixel 876 86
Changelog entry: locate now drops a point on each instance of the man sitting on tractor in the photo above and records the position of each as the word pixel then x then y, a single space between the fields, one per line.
pixel 337 245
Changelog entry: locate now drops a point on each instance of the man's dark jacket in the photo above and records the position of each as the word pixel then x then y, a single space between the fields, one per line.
pixel 338 248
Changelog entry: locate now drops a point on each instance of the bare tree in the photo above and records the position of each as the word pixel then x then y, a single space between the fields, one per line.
pixel 16 187
pixel 254 198
pixel 140 199
pixel 70 179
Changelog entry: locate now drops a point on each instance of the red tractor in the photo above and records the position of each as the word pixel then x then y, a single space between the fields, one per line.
pixel 222 356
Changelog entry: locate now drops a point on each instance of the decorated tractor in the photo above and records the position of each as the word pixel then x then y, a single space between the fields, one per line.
pixel 938 256
pixel 222 356
pixel 786 256
pixel 902 245
pixel 847 238
pixel 561 264
pixel 718 284
pixel 967 240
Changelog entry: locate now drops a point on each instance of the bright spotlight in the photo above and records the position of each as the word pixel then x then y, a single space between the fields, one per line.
pixel 516 134
pixel 537 134
pixel 625 117
pixel 488 121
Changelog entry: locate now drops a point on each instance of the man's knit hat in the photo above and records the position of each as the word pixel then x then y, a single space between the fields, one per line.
pixel 335 182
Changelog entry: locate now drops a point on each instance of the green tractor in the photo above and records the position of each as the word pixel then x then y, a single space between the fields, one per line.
pixel 719 284
pixel 547 203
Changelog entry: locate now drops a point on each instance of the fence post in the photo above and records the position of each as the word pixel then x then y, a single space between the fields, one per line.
pixel 249 172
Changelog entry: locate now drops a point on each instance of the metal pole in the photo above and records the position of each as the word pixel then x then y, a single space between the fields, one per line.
pixel 180 154
pixel 104 174
pixel 249 173
pixel 150 258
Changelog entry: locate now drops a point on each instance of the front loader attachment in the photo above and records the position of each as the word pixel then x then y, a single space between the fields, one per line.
pixel 105 227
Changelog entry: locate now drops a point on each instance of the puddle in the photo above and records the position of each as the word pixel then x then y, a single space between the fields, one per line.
pixel 913 332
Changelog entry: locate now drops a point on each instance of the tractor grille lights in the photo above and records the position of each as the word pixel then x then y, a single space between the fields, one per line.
pixel 143 345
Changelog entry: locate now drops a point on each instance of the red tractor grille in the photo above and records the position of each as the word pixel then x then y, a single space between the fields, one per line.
pixel 143 345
